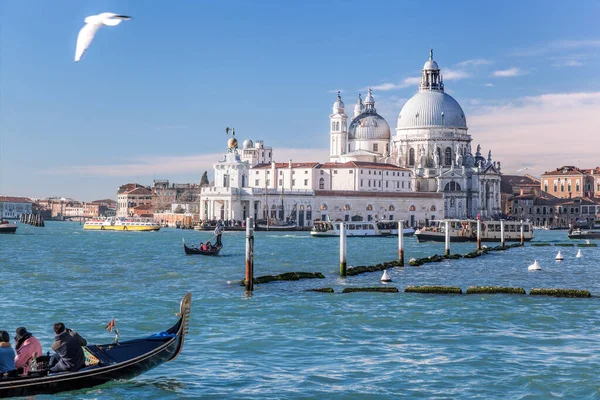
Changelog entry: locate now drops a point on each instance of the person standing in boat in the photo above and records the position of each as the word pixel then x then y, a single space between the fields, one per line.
pixel 27 347
pixel 218 232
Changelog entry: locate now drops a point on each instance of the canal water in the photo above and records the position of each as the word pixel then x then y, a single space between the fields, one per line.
pixel 284 342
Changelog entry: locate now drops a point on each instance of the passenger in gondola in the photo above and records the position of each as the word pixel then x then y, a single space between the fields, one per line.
pixel 7 354
pixel 207 246
pixel 200 245
pixel 27 346
pixel 68 354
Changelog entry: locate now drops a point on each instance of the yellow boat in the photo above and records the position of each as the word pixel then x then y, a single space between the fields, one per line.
pixel 121 224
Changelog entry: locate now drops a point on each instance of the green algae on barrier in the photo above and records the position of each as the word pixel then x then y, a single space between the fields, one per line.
pixel 433 289
pixel 383 289
pixel 371 268
pixel 322 290
pixel 587 245
pixel 541 244
pixel 564 244
pixel 494 290
pixel 560 292
pixel 288 276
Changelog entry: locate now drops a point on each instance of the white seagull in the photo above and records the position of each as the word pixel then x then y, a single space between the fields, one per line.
pixel 92 24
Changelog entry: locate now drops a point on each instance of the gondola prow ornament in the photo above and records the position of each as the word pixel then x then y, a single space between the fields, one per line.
pixel 113 326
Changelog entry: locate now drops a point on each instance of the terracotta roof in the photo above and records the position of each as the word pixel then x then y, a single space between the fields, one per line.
pixel 287 165
pixel 139 190
pixel 508 181
pixel 362 164
pixel 565 170
pixel 14 199
pixel 377 194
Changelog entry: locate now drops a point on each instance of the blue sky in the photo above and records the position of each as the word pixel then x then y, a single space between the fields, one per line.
pixel 151 97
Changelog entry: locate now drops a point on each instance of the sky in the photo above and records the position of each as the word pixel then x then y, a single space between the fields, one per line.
pixel 151 98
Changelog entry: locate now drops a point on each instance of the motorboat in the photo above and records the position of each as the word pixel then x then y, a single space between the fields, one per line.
pixel 8 227
pixel 121 224
pixel 358 229
pixel 466 231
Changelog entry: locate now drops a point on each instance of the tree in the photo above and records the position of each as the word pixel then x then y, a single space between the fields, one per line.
pixel 204 180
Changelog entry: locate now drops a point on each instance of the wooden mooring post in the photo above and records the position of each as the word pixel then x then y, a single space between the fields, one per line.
pixel 502 233
pixel 401 243
pixel 478 234
pixel 522 234
pixel 342 250
pixel 249 254
pixel 447 251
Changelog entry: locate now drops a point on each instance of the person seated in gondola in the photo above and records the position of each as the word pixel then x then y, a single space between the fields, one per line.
pixel 68 354
pixel 7 354
pixel 200 245
pixel 207 246
pixel 27 347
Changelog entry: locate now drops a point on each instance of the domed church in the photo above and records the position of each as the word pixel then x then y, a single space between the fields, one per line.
pixel 431 139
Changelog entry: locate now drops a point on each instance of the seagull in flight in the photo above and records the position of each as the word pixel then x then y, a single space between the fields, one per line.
pixel 523 169
pixel 92 24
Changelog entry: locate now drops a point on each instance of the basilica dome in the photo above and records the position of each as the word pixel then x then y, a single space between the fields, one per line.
pixel 369 125
pixel 431 108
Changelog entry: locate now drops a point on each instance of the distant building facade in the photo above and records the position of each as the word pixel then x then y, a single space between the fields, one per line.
pixel 130 196
pixel 12 206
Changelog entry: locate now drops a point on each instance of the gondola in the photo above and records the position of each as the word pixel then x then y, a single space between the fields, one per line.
pixel 213 251
pixel 109 362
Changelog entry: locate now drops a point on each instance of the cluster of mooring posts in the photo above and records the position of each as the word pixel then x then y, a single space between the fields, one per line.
pixel 32 219
pixel 249 280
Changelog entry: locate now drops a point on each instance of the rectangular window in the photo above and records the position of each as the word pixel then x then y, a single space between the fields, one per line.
pixel 293 182
pixel 386 172
pixel 375 147
pixel 369 172
pixel 409 185
pixel 280 182
pixel 379 183
pixel 256 183
pixel 268 182
pixel 369 183
pixel 402 188
pixel 293 172
pixel 335 171
pixel 361 171
pixel 386 185
pixel 361 182
pixel 268 172
pixel 351 171
pixel 379 172
pixel 305 184
pixel 305 172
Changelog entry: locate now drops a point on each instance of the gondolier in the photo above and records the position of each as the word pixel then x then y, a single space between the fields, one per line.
pixel 218 231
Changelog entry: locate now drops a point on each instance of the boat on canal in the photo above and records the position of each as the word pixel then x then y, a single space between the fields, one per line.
pixel 358 228
pixel 121 224
pixel 212 250
pixel 586 234
pixel 105 363
pixel 7 227
pixel 466 231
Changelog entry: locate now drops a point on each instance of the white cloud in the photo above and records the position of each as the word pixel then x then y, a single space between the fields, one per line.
pixel 474 62
pixel 508 73
pixel 488 84
pixel 415 80
pixel 568 63
pixel 536 130
pixel 165 165
pixel 575 44
pixel 454 74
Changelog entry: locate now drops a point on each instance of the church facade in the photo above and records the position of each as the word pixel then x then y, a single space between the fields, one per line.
pixel 424 171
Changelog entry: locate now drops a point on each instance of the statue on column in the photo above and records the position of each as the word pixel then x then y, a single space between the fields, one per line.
pixel 422 157
pixel 436 158
pixel 459 157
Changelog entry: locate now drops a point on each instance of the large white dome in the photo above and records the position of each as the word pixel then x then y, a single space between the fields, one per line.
pixel 431 108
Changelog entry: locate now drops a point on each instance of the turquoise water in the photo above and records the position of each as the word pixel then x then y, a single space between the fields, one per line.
pixel 283 342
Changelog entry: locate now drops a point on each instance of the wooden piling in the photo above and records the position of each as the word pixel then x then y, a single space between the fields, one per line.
pixel 249 254
pixel 401 243
pixel 342 250
pixel 522 234
pixel 478 234
pixel 502 233
pixel 447 251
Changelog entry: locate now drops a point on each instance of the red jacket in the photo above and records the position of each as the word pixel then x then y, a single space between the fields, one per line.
pixel 25 352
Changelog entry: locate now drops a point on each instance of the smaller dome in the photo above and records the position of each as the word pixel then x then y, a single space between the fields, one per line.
pixel 369 126
pixel 232 143
pixel 369 99
pixel 248 144
pixel 431 64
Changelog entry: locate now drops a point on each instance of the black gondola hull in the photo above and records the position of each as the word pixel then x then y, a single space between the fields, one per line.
pixel 193 250
pixel 118 362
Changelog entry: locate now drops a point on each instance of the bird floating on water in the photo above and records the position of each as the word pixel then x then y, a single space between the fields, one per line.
pixel 385 277
pixel 92 24
pixel 535 266
pixel 579 254
pixel 559 256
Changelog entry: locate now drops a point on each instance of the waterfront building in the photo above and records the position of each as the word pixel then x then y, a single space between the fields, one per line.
pixel 132 195
pixel 517 185
pixel 12 206
pixel 569 182
pixel 425 170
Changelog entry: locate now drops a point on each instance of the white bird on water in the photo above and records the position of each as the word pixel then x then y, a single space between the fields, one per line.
pixel 92 24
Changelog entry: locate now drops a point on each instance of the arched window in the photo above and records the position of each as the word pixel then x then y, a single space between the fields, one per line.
pixel 448 156
pixel 337 126
pixel 452 187
pixel 323 207
pixel 432 208
pixel 412 208
pixel 369 208
pixel 321 183
pixel 347 207
pixel 391 208
pixel 333 126
pixel 411 157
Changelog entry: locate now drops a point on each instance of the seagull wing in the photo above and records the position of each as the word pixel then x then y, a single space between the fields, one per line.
pixel 84 39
